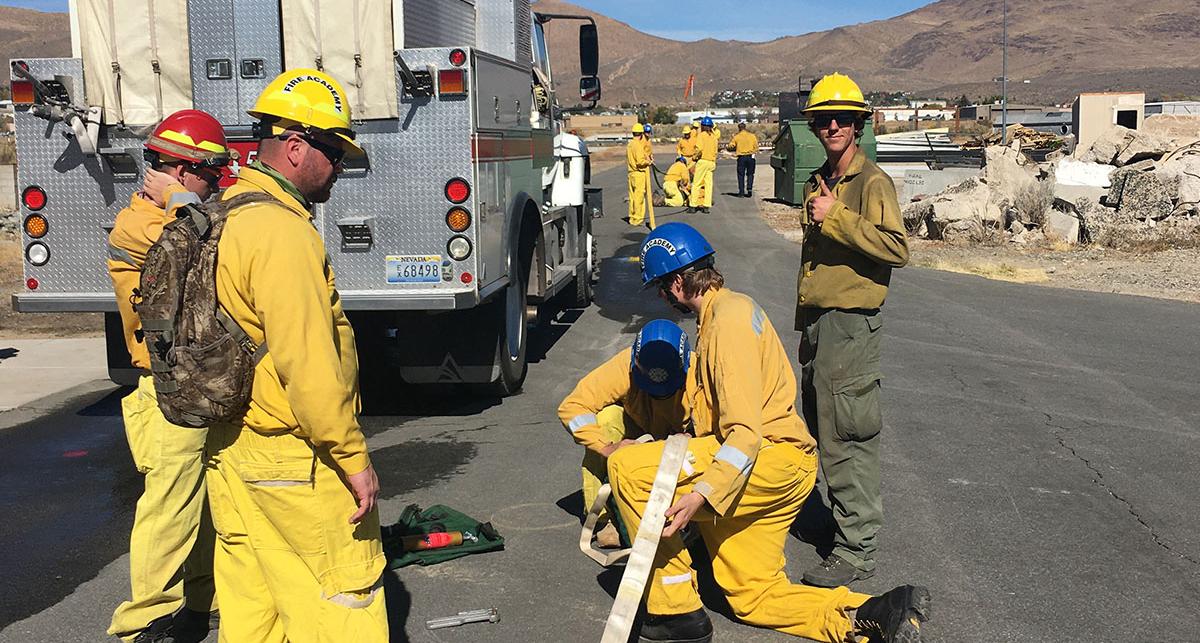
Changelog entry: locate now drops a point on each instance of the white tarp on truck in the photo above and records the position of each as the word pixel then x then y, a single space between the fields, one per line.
pixel 135 58
pixel 350 40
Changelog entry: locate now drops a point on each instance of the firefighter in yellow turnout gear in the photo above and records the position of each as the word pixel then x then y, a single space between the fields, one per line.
pixel 171 545
pixel 706 163
pixel 292 489
pixel 637 166
pixel 643 390
pixel 753 464
pixel 677 183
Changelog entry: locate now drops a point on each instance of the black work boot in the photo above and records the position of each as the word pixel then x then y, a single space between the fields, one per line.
pixel 191 626
pixel 894 617
pixel 693 627
pixel 835 571
pixel 156 631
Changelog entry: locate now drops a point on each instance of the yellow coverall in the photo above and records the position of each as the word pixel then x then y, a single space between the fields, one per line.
pixel 289 566
pixel 676 184
pixel 606 407
pixel 637 165
pixel 706 163
pixel 171 545
pixel 754 461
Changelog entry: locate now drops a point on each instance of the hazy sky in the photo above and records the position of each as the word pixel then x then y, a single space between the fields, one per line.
pixel 696 19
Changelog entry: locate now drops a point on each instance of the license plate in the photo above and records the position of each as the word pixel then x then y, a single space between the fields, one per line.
pixel 414 269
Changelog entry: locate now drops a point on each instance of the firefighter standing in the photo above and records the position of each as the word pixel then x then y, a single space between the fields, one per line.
pixel 292 489
pixel 643 390
pixel 752 464
pixel 686 147
pixel 706 163
pixel 677 183
pixel 171 545
pixel 745 145
pixel 853 237
pixel 637 166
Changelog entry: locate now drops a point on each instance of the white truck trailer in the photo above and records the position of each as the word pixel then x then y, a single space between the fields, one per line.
pixel 470 209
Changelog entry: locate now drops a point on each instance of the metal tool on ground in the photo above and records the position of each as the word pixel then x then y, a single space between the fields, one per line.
pixel 436 540
pixel 637 568
pixel 489 615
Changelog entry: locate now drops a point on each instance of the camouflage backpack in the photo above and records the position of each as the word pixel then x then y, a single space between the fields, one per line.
pixel 202 361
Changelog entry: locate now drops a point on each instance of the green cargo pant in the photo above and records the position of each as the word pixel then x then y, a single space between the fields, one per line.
pixel 839 360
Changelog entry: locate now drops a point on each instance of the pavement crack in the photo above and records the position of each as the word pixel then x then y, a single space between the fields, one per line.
pixel 1098 479
pixel 962 384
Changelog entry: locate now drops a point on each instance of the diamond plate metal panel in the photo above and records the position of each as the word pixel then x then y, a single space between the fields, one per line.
pixel 497 31
pixel 256 23
pixel 83 196
pixel 411 160
pixel 213 38
pixel 439 23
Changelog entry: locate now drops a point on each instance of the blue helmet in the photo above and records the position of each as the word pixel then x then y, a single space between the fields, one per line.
pixel 646 128
pixel 672 247
pixel 707 121
pixel 660 358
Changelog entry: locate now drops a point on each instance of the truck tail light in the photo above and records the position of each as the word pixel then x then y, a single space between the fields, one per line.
pixel 458 57
pixel 459 248
pixel 452 82
pixel 36 226
pixel 32 283
pixel 22 92
pixel 458 190
pixel 458 219
pixel 37 253
pixel 34 198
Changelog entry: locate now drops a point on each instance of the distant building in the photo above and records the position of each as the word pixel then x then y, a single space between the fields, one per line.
pixel 600 127
pixel 1094 114
pixel 732 115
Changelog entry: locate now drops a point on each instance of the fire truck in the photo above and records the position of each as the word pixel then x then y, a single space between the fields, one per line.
pixel 469 214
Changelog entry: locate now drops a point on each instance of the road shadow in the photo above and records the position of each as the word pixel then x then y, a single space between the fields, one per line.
pixel 399 605
pixel 554 322
pixel 572 503
pixel 6 353
pixel 815 524
pixel 107 406
pixel 419 464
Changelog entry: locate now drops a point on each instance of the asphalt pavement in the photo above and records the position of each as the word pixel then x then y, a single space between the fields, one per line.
pixel 1039 459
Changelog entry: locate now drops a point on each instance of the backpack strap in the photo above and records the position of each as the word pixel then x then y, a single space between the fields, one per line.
pixel 256 351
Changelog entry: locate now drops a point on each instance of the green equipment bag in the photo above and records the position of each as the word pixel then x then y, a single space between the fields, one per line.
pixel 478 537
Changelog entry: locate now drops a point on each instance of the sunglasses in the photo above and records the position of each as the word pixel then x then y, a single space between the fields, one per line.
pixel 822 120
pixel 334 153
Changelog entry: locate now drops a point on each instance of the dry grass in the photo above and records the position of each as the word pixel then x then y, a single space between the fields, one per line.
pixel 997 271
pixel 8 150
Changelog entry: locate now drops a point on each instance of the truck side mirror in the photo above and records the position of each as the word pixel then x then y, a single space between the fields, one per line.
pixel 589 89
pixel 589 50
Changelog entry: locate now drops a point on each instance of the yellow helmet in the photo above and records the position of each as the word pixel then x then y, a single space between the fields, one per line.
pixel 310 99
pixel 836 93
pixel 638 129
pixel 687 129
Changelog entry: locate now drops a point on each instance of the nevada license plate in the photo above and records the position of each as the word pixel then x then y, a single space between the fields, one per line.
pixel 410 269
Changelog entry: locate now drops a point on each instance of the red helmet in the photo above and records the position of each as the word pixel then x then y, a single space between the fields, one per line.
pixel 191 135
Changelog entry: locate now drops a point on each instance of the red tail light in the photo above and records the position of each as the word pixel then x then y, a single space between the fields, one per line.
pixel 22 92
pixel 458 190
pixel 34 198
pixel 452 82
pixel 458 57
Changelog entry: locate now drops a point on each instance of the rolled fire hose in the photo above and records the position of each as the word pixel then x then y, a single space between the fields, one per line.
pixel 641 557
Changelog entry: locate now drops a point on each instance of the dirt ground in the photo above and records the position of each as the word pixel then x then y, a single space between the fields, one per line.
pixel 1168 274
pixel 27 325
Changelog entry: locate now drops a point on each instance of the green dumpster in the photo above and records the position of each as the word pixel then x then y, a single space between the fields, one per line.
pixel 798 153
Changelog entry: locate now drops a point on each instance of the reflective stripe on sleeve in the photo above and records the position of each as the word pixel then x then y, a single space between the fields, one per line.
pixel 580 421
pixel 675 580
pixel 756 320
pixel 732 455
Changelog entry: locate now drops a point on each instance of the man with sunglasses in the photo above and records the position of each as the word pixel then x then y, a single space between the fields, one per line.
pixel 292 489
pixel 853 237
pixel 171 545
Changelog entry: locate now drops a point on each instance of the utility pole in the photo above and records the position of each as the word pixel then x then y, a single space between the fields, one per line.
pixel 1004 77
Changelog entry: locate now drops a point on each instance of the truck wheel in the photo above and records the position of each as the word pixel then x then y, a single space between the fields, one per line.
pixel 512 338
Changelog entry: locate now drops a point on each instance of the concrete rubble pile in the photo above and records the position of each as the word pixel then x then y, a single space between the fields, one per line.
pixel 1127 190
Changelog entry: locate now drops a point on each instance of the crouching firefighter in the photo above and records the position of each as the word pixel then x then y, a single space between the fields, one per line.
pixel 754 463
pixel 171 546
pixel 640 391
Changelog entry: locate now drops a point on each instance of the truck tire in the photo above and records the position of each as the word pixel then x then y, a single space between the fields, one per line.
pixel 512 336
pixel 581 296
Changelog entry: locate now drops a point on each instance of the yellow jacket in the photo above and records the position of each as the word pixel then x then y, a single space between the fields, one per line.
pixel 744 143
pixel 611 383
pixel 745 378
pixel 678 172
pixel 706 146
pixel 137 228
pixel 847 260
pixel 686 147
pixel 637 159
pixel 274 279
pixel 649 149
